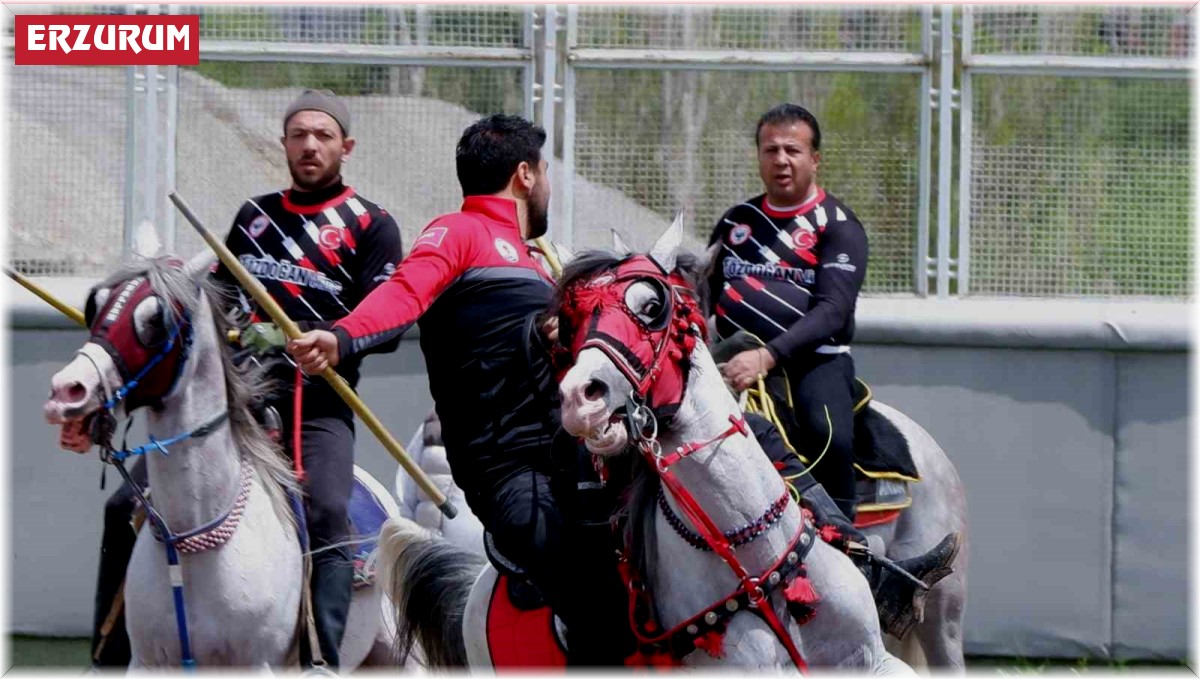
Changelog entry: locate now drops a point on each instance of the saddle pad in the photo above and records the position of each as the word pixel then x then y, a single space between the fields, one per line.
pixel 881 494
pixel 519 638
pixel 367 515
pixel 880 450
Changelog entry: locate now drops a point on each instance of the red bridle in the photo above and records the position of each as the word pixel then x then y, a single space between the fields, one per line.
pixel 651 347
pixel 651 350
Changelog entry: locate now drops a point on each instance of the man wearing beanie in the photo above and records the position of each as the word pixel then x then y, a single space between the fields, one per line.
pixel 318 248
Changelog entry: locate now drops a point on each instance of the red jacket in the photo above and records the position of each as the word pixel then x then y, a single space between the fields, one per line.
pixel 475 289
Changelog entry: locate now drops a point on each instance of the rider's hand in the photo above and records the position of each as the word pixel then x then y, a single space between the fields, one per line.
pixel 315 351
pixel 743 370
pixel 550 329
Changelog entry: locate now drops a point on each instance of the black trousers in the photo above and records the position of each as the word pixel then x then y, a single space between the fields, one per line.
pixel 820 381
pixel 116 547
pixel 560 536
pixel 327 453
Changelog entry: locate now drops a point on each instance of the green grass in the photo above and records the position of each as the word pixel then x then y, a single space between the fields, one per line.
pixel 29 652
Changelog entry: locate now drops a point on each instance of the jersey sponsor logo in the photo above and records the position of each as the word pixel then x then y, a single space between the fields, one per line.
pixel 736 268
pixel 330 237
pixel 740 233
pixel 506 250
pixel 287 272
pixel 843 263
pixel 433 237
pixel 258 226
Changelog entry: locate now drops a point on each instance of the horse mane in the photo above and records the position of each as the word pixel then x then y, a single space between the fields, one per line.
pixel 245 385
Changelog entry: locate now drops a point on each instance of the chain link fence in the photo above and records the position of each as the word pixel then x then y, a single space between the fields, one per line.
pixel 1068 183
pixel 1080 186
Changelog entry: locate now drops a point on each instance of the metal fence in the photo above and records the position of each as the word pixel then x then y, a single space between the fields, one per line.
pixel 1037 152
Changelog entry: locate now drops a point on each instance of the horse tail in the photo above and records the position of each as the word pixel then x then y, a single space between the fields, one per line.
pixel 429 580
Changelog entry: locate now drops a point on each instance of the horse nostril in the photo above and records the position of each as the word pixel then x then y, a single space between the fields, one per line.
pixel 595 390
pixel 70 393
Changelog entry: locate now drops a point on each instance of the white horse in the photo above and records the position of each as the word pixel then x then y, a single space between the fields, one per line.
pixel 741 503
pixel 938 507
pixel 241 580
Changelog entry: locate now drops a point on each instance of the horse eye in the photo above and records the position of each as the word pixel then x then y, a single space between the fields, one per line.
pixel 643 299
pixel 148 321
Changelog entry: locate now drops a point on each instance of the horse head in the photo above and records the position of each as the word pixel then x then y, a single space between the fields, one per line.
pixel 144 323
pixel 630 324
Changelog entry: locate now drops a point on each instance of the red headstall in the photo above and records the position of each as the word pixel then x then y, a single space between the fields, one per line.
pixel 649 344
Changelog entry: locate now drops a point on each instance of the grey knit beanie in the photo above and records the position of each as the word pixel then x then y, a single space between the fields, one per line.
pixel 324 101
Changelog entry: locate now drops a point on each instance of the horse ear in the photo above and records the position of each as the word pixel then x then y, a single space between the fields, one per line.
pixel 667 248
pixel 565 254
pixel 145 240
pixel 618 244
pixel 199 266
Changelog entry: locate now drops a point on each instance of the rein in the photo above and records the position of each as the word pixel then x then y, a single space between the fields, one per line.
pixel 753 590
pixel 207 536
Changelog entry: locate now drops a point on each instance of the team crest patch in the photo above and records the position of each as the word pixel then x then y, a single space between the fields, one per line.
pixel 506 250
pixel 739 234
pixel 330 237
pixel 258 225
pixel 432 237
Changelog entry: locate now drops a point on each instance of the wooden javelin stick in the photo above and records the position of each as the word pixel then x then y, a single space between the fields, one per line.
pixel 74 314
pixel 66 309
pixel 550 255
pixel 339 384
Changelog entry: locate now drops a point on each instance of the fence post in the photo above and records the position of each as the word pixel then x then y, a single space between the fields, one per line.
pixel 566 234
pixel 965 115
pixel 921 261
pixel 945 148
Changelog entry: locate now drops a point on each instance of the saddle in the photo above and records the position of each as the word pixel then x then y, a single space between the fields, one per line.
pixel 882 459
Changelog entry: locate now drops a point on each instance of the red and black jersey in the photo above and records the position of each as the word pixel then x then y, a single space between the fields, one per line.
pixel 476 291
pixel 317 253
pixel 792 276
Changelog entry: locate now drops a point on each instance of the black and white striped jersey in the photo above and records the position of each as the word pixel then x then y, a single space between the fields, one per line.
pixel 791 276
pixel 317 253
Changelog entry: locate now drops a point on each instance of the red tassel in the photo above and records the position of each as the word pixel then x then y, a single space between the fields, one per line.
pixel 802 599
pixel 713 643
pixel 664 659
pixel 830 533
pixel 655 659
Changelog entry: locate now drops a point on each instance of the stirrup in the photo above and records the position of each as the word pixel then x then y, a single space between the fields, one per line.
pixel 902 604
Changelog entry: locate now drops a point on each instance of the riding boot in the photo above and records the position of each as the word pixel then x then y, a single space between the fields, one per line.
pixel 834 527
pixel 332 589
pixel 110 648
pixel 899 601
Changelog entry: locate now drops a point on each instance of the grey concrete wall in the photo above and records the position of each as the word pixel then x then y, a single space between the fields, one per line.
pixel 1071 439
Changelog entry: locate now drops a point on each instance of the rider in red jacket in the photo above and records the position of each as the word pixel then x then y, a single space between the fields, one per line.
pixel 471 284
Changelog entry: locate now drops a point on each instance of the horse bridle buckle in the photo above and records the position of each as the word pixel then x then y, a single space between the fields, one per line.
pixel 643 425
pixel 756 595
